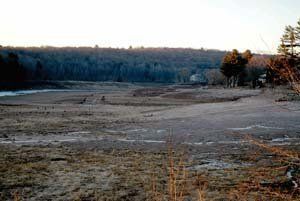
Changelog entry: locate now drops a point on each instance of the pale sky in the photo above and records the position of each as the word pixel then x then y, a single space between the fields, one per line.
pixel 212 24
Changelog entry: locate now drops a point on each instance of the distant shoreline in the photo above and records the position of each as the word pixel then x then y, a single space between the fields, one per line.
pixel 27 85
pixel 69 84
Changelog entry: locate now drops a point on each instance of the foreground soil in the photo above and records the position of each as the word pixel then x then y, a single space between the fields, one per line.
pixel 118 141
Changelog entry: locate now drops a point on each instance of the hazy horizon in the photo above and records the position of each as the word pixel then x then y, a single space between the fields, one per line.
pixel 135 48
pixel 215 24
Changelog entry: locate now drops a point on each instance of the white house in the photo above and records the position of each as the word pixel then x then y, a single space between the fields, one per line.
pixel 198 78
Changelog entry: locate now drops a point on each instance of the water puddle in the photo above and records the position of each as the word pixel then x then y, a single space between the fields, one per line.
pixel 52 139
pixel 217 142
pixel 161 131
pixel 26 92
pixel 142 130
pixel 79 132
pixel 284 141
pixel 81 136
pixel 185 143
pixel 255 126
pixel 114 132
pixel 142 141
pixel 212 164
pixel 290 175
pixel 40 141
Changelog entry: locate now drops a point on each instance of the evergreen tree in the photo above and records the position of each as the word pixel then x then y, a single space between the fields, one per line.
pixel 15 71
pixel 38 74
pixel 233 67
pixel 297 29
pixel 226 68
pixel 2 68
pixel 289 43
pixel 290 46
pixel 246 57
pixel 286 66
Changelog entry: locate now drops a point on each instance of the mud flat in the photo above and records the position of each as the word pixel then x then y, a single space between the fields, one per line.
pixel 112 141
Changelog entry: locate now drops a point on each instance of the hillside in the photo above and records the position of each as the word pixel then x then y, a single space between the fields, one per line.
pixel 109 64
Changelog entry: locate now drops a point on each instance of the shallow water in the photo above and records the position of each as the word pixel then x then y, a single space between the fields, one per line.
pixel 25 92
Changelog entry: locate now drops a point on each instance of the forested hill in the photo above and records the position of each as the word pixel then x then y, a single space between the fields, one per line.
pixel 105 64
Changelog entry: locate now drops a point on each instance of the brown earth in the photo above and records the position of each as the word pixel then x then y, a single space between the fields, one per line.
pixel 77 145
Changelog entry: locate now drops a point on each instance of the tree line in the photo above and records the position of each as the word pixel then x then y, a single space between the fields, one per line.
pixel 105 64
pixel 279 69
pixel 19 64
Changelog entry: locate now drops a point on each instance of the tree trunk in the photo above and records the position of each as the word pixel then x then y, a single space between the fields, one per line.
pixel 234 81
pixel 227 81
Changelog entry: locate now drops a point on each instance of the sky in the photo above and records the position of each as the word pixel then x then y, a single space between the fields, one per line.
pixel 212 24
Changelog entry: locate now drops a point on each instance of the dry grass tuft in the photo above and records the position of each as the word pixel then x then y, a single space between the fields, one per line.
pixel 180 183
pixel 16 196
pixel 270 181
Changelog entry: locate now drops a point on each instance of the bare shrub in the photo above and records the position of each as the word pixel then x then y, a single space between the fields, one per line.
pixel 286 70
pixel 215 77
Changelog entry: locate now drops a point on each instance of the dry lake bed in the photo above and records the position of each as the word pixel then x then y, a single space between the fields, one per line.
pixel 113 141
